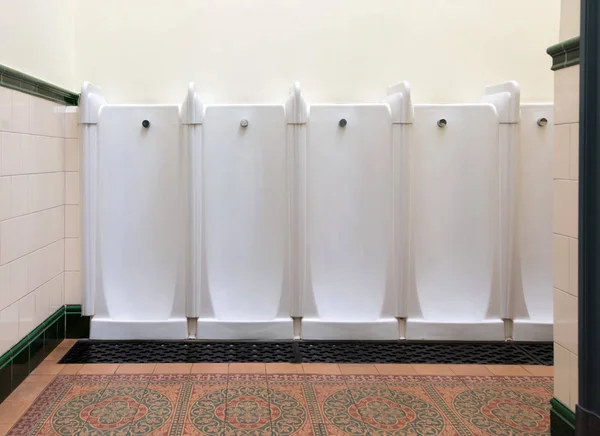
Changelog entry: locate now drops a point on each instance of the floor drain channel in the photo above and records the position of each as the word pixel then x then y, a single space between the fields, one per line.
pixel 482 353
pixel 544 355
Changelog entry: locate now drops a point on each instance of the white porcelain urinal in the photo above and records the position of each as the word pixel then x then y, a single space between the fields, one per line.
pixel 243 290
pixel 455 218
pixel 349 224
pixel 139 193
pixel 359 221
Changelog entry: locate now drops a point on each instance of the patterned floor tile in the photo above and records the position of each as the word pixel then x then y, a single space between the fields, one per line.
pixel 542 384
pixel 336 430
pixel 121 404
pixel 330 403
pixel 165 399
pixel 205 414
pixel 56 410
pixel 289 407
pixel 378 407
pixel 504 405
pixel 248 410
pixel 289 404
pixel 424 400
pixel 470 370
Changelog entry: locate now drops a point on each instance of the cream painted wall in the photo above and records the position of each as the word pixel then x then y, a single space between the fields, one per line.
pixel 37 38
pixel 341 50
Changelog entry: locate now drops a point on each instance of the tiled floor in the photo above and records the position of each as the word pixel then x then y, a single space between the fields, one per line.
pixel 278 399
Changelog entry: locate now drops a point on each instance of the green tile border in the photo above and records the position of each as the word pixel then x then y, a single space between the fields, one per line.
pixel 73 308
pixel 562 419
pixel 30 347
pixel 13 79
pixel 77 326
pixel 564 54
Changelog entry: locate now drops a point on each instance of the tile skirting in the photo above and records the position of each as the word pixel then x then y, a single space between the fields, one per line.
pixel 564 54
pixel 76 325
pixel 19 361
pixel 13 79
pixel 562 419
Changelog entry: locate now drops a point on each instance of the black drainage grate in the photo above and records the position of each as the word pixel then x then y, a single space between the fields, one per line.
pixel 483 353
pixel 418 352
pixel 543 354
pixel 89 351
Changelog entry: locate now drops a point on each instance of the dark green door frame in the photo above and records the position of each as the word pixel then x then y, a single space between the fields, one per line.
pixel 588 408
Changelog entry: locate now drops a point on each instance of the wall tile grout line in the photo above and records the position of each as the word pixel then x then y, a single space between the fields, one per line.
pixel 35 174
pixel 36 211
pixel 37 135
pixel 43 284
pixel 36 250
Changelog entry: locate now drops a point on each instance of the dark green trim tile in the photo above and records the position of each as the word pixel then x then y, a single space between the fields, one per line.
pixel 55 316
pixel 5 380
pixel 564 54
pixel 73 308
pixel 13 79
pixel 61 327
pixel 51 335
pixel 71 323
pixel 10 82
pixel 5 358
pixel 18 362
pixel 560 58
pixel 77 326
pixel 20 367
pixel 562 419
pixel 37 351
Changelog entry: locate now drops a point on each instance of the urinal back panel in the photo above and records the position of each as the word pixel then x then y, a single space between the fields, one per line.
pixel 141 222
pixel 532 280
pixel 454 202
pixel 349 209
pixel 245 221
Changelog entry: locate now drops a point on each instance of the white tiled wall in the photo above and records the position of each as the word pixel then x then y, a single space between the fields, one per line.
pixel 566 186
pixel 39 227
pixel 72 247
